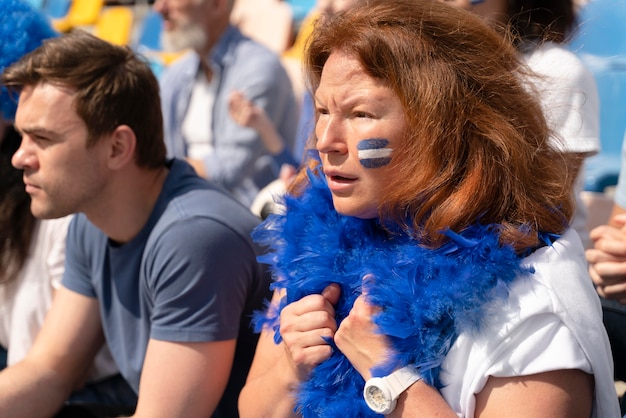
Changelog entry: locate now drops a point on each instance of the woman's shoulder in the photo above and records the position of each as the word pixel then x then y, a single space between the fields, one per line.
pixel 562 268
pixel 551 320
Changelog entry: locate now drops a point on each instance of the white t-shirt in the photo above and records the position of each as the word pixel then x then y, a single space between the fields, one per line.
pixel 569 97
pixel 25 301
pixel 197 123
pixel 552 320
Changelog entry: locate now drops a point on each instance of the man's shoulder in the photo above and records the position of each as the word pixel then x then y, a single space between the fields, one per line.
pixel 182 68
pixel 242 50
pixel 79 225
pixel 205 206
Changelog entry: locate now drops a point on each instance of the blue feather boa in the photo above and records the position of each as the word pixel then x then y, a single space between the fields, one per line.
pixel 22 29
pixel 427 296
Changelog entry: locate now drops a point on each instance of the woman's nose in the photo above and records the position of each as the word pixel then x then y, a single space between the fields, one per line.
pixel 330 136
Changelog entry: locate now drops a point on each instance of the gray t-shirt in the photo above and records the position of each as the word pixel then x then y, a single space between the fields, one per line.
pixel 190 275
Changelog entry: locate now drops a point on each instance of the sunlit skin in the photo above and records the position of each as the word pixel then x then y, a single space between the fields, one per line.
pixel 330 7
pixel 353 106
pixel 61 174
pixel 607 258
pixel 464 4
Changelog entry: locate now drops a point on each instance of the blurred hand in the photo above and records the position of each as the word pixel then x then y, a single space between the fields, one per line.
pixel 607 259
pixel 243 111
pixel 304 324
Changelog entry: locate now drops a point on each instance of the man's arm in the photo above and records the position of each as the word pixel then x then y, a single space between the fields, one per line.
pixel 61 355
pixel 183 379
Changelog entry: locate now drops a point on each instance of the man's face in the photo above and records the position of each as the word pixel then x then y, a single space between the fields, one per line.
pixel 61 174
pixel 185 23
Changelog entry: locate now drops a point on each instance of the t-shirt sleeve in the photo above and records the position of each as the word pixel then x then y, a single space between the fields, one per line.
pixel 77 274
pixel 540 344
pixel 569 98
pixel 198 272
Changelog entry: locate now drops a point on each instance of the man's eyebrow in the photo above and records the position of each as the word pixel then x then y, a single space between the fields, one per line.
pixel 36 130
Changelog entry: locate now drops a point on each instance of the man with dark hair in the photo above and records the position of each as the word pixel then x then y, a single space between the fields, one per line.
pixel 159 263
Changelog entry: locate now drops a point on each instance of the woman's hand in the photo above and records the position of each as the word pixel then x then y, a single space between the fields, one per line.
pixel 304 326
pixel 358 336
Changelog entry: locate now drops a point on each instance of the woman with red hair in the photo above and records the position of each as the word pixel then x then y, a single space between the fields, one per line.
pixel 424 265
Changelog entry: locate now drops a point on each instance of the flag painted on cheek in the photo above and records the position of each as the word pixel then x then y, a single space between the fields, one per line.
pixel 374 153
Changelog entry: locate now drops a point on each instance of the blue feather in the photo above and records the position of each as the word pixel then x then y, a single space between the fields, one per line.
pixel 427 296
pixel 22 29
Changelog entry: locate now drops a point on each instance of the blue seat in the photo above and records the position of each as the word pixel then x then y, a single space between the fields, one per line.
pixel 149 41
pixel 150 31
pixel 600 42
pixel 56 9
pixel 37 4
pixel 300 9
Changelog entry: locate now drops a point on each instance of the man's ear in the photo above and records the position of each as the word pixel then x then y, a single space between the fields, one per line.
pixel 123 143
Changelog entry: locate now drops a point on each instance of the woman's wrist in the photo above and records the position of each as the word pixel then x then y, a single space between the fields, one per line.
pixel 422 400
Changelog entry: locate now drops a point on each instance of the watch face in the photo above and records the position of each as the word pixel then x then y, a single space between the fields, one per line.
pixel 376 398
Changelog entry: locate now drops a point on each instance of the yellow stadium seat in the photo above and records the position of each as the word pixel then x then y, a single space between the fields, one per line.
pixel 81 13
pixel 115 25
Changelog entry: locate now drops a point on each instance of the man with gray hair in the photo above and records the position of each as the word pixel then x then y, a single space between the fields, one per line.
pixel 196 89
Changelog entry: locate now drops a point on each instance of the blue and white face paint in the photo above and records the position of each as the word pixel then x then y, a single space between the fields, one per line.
pixel 374 152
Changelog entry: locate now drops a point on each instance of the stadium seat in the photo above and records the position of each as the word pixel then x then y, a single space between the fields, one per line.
pixel 56 9
pixel 150 31
pixel 115 25
pixel 37 4
pixel 601 44
pixel 81 13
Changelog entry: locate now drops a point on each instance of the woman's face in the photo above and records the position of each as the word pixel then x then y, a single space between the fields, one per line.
pixel 361 123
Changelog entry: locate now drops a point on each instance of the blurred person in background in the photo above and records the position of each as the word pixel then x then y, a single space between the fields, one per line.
pixel 196 91
pixel 607 266
pixel 540 30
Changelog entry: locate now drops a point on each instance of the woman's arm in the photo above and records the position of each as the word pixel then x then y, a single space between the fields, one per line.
pixel 556 394
pixel 278 369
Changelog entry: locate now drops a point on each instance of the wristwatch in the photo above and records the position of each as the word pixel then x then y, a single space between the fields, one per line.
pixel 381 393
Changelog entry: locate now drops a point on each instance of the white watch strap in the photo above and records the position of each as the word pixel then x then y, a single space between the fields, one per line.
pixel 402 379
